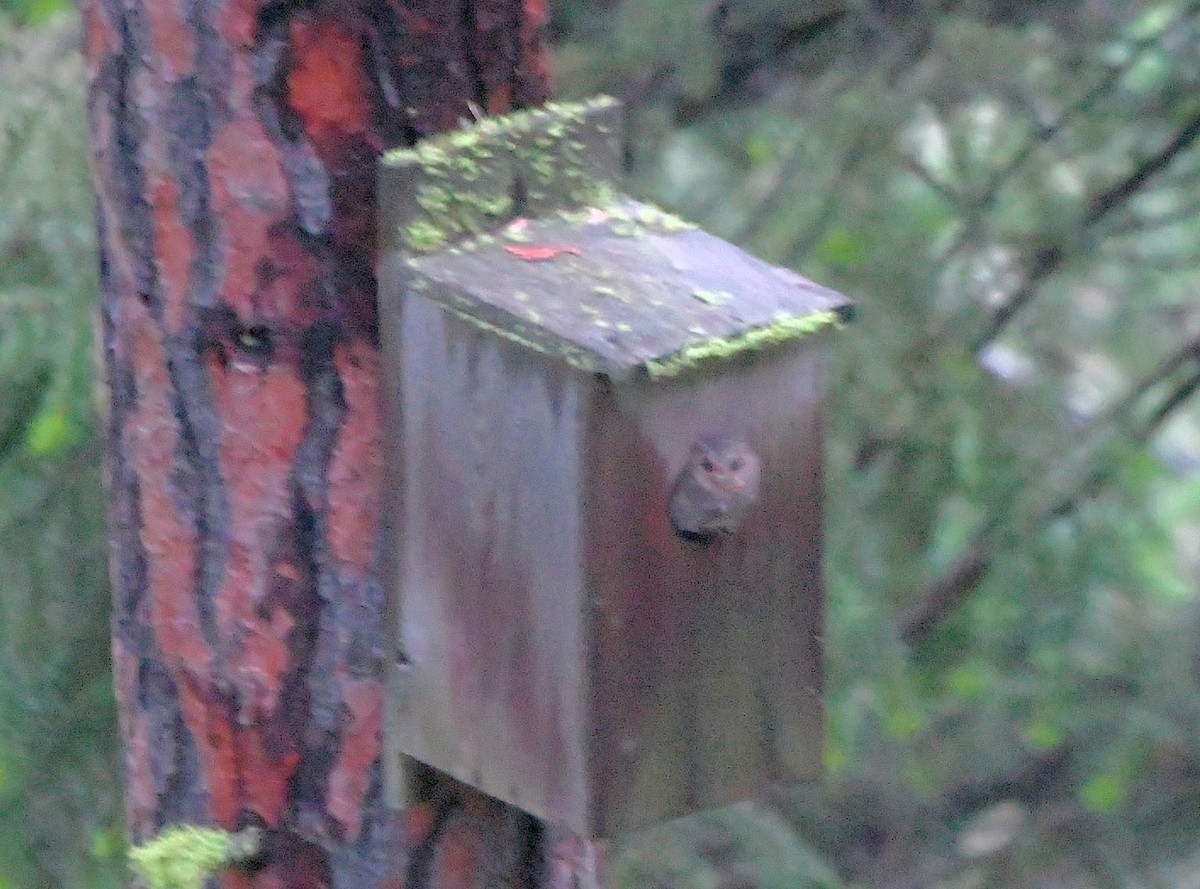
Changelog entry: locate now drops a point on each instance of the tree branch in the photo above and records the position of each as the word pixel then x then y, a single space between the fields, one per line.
pixel 1100 475
pixel 943 596
pixel 950 590
pixel 1046 262
pixel 1086 102
pixel 1050 259
pixel 1133 227
pixel 1119 193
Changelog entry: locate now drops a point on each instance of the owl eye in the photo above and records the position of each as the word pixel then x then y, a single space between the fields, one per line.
pixel 735 464
pixel 708 465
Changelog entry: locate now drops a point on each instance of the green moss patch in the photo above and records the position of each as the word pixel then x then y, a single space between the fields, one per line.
pixel 466 180
pixel 785 329
pixel 184 856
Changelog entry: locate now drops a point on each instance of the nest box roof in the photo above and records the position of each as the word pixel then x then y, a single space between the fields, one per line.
pixel 515 226
pixel 623 288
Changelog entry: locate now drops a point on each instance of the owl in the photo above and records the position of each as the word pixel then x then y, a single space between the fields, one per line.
pixel 714 489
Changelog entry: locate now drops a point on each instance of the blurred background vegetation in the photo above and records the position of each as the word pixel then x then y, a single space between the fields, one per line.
pixel 1011 193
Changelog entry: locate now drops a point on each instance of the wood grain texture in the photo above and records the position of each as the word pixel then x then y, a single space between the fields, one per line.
pixel 234 159
pixel 562 647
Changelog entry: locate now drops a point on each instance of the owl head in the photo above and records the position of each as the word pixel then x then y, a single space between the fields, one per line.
pixel 725 466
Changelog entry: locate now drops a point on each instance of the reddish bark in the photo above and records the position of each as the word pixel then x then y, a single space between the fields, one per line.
pixel 234 156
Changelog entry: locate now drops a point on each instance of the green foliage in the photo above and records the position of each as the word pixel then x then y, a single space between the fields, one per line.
pixel 58 794
pixel 1014 419
pixel 185 856
pixel 35 12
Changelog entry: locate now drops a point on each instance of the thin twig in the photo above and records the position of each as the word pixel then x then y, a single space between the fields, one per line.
pixel 943 596
pixel 1050 259
pixel 800 248
pixel 1099 90
pixel 1120 192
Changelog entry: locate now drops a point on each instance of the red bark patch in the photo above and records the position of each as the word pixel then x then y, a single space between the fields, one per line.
pixel 211 724
pixel 266 658
pixel 267 776
pixel 419 821
pixel 478 847
pixel 356 468
pixel 239 24
pixel 173 39
pixel 169 536
pixel 327 85
pixel 537 13
pixel 176 251
pixel 361 743
pixel 265 415
pixel 500 101
pixel 460 862
pixel 250 195
pixel 535 79
pixel 99 38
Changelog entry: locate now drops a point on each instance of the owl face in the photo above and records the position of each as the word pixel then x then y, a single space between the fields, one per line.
pixel 715 488
pixel 726 468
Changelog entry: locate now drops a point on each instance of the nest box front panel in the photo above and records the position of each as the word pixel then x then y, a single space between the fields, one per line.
pixel 564 647
pixel 488 570
pixel 706 660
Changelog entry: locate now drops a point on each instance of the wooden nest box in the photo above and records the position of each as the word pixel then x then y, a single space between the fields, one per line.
pixel 606 529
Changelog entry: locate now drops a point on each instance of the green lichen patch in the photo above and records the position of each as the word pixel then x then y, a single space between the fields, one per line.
pixel 557 120
pixel 465 182
pixel 449 212
pixel 785 329
pixel 626 217
pixel 647 217
pixel 424 236
pixel 184 856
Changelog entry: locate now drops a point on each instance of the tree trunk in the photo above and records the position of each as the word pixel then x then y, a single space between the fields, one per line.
pixel 234 156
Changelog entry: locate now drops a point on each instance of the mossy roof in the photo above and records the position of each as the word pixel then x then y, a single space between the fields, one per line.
pixel 622 289
pixel 516 225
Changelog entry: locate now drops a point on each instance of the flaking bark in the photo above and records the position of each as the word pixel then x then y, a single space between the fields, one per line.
pixel 234 161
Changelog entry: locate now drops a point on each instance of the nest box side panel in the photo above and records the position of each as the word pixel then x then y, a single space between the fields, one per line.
pixel 489 684
pixel 706 665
